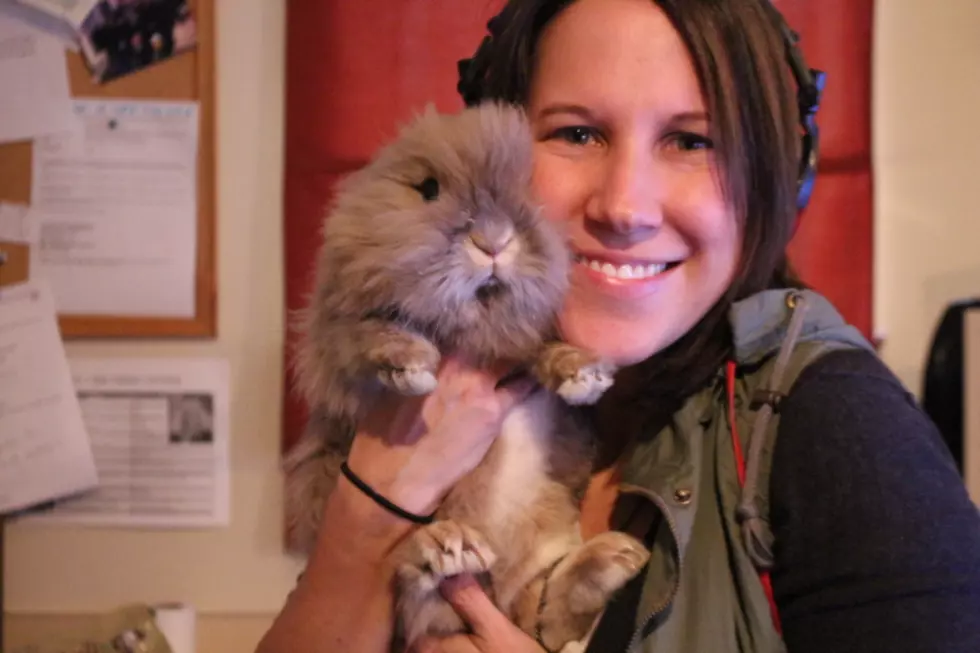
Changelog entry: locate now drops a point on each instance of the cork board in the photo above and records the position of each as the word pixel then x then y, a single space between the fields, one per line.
pixel 188 76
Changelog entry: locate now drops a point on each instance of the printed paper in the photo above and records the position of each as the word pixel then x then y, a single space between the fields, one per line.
pixel 115 201
pixel 45 451
pixel 159 431
pixel 34 94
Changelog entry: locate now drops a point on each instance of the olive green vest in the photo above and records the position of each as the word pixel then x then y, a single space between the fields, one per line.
pixel 701 590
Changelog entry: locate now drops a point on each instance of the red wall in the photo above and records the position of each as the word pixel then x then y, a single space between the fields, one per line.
pixel 354 73
pixel 833 246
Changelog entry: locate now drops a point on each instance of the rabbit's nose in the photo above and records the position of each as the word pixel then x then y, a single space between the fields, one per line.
pixel 492 239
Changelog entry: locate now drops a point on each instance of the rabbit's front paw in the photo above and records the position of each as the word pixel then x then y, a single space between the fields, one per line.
pixel 406 363
pixel 577 376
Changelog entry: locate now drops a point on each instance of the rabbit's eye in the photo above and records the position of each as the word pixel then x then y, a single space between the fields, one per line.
pixel 428 189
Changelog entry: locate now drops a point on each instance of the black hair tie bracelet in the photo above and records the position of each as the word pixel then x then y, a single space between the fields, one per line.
pixel 383 502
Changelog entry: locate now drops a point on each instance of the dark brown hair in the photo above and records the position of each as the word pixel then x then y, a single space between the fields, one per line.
pixel 739 55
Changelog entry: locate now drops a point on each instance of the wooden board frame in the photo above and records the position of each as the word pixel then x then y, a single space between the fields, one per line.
pixel 186 76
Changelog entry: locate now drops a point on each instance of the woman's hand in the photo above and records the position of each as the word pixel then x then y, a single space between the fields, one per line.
pixel 493 632
pixel 414 450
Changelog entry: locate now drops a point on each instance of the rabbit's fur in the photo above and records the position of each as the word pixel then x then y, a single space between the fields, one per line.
pixel 435 246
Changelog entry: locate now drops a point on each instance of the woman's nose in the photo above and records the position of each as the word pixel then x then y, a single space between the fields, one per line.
pixel 626 199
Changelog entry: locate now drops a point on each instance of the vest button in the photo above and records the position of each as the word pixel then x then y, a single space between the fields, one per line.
pixel 682 496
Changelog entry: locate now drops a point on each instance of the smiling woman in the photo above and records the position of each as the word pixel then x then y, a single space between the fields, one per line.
pixel 634 174
pixel 752 440
pixel 645 178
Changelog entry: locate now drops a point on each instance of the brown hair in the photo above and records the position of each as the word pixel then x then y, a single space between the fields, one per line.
pixel 738 53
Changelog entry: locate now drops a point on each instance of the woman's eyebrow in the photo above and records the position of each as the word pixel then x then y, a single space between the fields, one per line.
pixel 690 116
pixel 581 111
pixel 567 109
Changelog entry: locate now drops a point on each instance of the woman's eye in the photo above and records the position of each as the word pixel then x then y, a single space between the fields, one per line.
pixel 576 135
pixel 689 141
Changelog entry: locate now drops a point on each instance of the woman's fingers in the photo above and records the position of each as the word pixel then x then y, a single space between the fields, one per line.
pixel 475 607
pixel 417 448
pixel 393 418
pixel 474 394
pixel 493 632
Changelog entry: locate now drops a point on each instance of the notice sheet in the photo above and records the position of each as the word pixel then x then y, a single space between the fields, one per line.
pixel 45 453
pixel 115 200
pixel 159 430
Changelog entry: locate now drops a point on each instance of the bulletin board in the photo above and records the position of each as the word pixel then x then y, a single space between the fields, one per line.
pixel 187 76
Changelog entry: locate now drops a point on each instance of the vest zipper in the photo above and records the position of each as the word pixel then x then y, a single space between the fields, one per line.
pixel 638 633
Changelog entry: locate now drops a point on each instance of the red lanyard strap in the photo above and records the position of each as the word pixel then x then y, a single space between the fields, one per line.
pixel 740 467
pixel 764 403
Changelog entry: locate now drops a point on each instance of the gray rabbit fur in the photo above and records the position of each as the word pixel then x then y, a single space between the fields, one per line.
pixel 434 247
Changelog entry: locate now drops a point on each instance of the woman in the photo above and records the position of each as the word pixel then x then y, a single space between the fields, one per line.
pixel 667 136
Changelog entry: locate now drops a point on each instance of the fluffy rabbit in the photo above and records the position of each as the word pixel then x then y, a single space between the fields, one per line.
pixel 435 246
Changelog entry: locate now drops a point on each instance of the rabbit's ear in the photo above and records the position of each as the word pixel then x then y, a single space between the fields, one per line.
pixel 428 114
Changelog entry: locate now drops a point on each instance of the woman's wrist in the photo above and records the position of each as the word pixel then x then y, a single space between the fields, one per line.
pixel 383 501
pixel 416 493
pixel 360 520
pixel 414 490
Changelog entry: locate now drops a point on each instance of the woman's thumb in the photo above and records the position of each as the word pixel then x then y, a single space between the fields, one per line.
pixel 474 606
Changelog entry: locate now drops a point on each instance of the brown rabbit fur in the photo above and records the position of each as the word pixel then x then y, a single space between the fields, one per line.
pixel 435 247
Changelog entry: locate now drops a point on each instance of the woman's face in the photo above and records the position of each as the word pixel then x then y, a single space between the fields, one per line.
pixel 623 158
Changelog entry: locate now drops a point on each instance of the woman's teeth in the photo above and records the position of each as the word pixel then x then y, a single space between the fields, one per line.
pixel 625 271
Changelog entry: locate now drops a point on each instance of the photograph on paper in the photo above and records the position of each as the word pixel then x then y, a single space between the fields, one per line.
pixel 120 37
pixel 191 418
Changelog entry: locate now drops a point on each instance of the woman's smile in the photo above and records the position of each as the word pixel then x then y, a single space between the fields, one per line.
pixel 621 276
